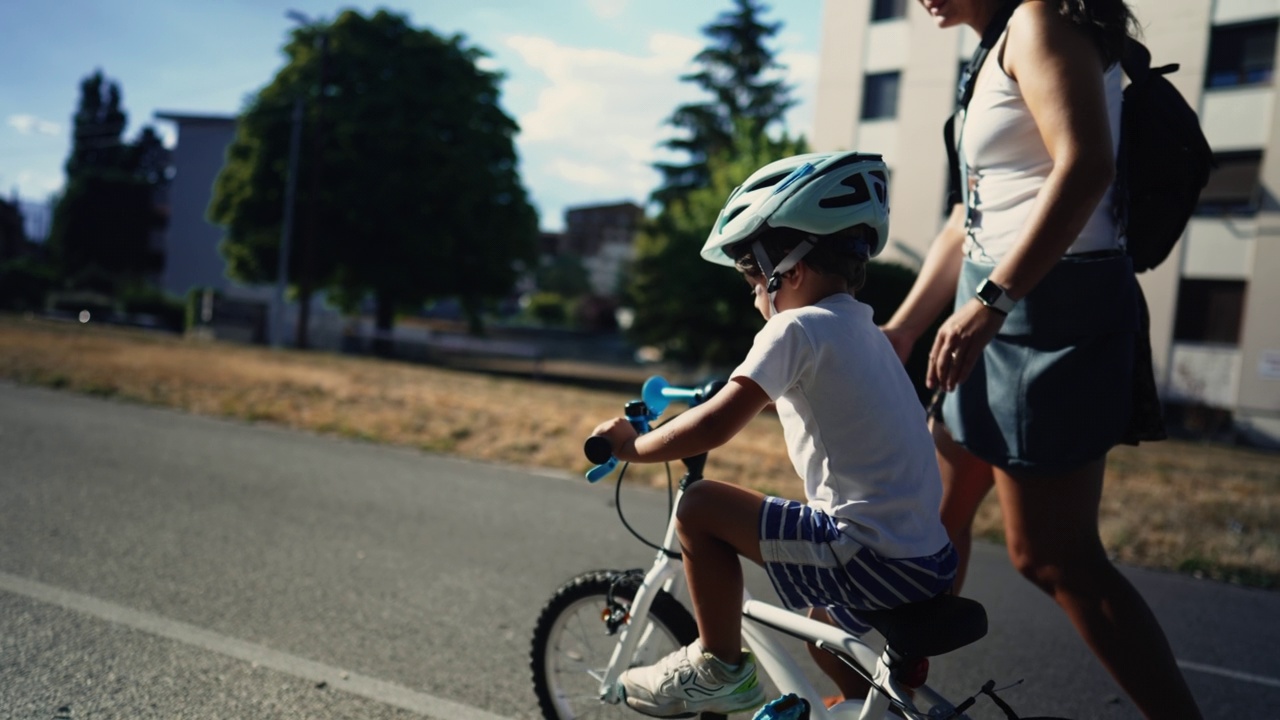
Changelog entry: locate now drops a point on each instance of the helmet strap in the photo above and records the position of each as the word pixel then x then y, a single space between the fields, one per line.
pixel 775 273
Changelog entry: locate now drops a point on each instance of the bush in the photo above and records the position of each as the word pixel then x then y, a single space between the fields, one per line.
pixel 24 283
pixel 170 312
pixel 550 308
pixel 886 287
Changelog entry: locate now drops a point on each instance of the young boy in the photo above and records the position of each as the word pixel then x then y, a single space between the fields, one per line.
pixel 801 231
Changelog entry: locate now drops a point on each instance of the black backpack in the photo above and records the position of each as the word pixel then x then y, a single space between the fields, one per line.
pixel 1163 161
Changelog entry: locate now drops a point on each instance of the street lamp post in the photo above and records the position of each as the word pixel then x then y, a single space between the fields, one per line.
pixel 290 193
pixel 286 228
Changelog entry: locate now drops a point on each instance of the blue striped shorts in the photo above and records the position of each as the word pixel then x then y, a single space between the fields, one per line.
pixel 813 564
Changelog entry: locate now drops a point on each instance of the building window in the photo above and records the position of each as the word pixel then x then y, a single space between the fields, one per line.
pixel 1242 54
pixel 1233 187
pixel 1209 311
pixel 880 96
pixel 888 10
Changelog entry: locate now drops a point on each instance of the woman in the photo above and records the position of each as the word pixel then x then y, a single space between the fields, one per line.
pixel 1036 359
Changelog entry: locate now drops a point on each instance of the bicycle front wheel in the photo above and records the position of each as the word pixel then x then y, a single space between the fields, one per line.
pixel 572 644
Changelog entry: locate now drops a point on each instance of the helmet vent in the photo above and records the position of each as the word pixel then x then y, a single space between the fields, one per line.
pixel 729 216
pixel 880 187
pixel 770 181
pixel 861 194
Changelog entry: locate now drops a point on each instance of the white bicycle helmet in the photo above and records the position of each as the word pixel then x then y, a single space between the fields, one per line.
pixel 816 193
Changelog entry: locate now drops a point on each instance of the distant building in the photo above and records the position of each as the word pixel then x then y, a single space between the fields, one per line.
pixel 886 83
pixel 603 236
pixel 191 242
pixel 192 259
pixel 37 218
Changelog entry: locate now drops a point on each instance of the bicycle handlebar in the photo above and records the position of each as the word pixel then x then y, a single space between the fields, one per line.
pixel 656 394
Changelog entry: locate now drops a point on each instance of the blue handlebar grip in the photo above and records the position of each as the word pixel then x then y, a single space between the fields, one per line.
pixel 600 471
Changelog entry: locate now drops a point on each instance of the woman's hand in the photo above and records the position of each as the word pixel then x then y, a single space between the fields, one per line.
pixel 621 436
pixel 959 344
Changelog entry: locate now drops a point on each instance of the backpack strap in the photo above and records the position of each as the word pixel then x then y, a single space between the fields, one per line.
pixel 964 93
pixel 1135 60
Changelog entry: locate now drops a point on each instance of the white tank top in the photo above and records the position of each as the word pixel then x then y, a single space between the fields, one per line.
pixel 1008 163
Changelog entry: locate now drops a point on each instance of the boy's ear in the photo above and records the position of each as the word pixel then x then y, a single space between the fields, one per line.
pixel 796 275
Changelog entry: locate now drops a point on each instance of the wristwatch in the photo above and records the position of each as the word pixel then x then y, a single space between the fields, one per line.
pixel 995 297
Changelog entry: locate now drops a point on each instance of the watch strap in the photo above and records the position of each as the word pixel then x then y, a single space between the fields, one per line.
pixel 995 297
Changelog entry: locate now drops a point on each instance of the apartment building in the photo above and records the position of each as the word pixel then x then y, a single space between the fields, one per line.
pixel 886 84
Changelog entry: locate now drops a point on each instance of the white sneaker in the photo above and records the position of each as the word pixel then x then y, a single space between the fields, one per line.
pixel 691 681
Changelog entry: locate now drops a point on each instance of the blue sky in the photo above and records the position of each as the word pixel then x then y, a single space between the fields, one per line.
pixel 590 81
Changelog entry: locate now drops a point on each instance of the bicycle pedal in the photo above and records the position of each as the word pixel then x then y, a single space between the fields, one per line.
pixel 787 707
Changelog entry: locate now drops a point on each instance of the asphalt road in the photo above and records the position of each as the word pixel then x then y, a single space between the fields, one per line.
pixel 160 565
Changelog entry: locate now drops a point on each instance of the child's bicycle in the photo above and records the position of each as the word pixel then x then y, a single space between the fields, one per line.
pixel 602 622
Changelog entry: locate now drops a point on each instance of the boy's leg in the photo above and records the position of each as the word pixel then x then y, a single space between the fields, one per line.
pixel 718 522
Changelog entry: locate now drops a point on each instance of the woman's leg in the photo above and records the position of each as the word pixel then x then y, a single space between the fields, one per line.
pixel 1051 524
pixel 966 480
pixel 716 523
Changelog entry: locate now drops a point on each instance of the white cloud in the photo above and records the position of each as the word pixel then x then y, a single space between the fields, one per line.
pixel 802 75
pixel 608 9
pixel 599 120
pixel 32 125
pixel 36 185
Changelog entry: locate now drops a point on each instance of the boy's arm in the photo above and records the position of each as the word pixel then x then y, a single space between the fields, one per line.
pixel 695 431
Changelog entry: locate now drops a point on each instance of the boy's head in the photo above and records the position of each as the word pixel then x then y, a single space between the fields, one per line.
pixel 829 210
pixel 844 254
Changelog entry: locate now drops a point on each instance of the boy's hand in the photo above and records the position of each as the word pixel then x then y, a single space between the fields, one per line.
pixel 621 436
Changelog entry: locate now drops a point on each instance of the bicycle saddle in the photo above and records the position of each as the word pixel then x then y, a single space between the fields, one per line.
pixel 931 627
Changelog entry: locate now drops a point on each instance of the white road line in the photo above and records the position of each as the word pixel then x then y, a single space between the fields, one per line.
pixel 372 688
pixel 1233 674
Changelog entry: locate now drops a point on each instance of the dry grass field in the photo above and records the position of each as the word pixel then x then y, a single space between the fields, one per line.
pixel 1200 509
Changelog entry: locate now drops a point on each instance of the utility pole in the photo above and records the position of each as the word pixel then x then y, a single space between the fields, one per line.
pixel 286 229
pixel 306 284
pixel 304 280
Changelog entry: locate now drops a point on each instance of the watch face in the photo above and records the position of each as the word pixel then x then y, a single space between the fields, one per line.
pixel 989 292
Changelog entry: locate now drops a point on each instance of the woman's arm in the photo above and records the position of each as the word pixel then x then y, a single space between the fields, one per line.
pixel 934 289
pixel 1060 73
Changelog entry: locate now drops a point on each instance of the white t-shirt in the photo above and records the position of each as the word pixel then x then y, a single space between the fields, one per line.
pixel 1008 165
pixel 854 426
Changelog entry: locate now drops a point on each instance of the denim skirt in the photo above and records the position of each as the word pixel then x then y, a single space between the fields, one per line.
pixel 1054 388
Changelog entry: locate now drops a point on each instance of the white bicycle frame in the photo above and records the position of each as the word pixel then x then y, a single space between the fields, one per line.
pixel 771 657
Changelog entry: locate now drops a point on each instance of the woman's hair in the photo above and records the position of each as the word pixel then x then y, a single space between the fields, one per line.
pixel 1107 22
pixel 844 254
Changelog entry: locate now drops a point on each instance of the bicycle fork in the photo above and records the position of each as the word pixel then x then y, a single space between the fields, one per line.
pixel 664 574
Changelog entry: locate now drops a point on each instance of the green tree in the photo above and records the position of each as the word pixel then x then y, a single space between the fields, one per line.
pixel 740 73
pixel 695 311
pixel 104 223
pixel 683 304
pixel 410 189
pixel 563 274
